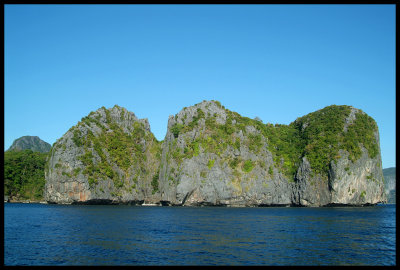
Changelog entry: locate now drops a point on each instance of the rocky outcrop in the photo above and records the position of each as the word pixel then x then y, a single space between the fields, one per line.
pixel 33 143
pixel 354 175
pixel 389 174
pixel 109 157
pixel 213 156
pixel 208 159
pixel 310 189
pixel 356 183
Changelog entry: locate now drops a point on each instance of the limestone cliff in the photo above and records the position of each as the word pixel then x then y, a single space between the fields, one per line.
pixel 110 156
pixel 389 174
pixel 342 144
pixel 213 156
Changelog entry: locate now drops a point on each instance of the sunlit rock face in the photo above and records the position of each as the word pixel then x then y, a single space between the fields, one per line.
pixel 214 156
pixel 355 171
pixel 110 156
pixel 208 159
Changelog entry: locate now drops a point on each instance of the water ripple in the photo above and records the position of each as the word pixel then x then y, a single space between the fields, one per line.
pixel 129 235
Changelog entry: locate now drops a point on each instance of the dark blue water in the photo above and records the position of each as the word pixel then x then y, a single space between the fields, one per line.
pixel 36 234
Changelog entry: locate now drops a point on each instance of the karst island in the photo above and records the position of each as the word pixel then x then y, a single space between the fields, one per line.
pixel 212 156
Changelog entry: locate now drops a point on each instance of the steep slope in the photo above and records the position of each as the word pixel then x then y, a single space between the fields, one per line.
pixel 341 161
pixel 389 174
pixel 33 143
pixel 213 156
pixel 110 156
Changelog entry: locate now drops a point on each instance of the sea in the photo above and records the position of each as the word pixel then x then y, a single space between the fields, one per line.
pixel 48 234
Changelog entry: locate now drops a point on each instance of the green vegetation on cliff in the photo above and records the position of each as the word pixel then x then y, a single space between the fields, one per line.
pixel 362 131
pixel 283 141
pixel 115 147
pixel 317 136
pixel 24 174
pixel 323 134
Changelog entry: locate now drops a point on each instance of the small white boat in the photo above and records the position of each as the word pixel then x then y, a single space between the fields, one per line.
pixel 149 204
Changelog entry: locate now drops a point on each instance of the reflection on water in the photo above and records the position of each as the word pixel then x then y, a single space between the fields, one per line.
pixel 132 235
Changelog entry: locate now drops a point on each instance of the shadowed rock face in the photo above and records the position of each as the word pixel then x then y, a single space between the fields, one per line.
pixel 389 175
pixel 213 156
pixel 33 143
pixel 310 190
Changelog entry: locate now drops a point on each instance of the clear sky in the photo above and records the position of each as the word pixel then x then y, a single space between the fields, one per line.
pixel 277 62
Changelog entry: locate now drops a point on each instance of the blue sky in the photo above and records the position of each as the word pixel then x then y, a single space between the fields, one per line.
pixel 277 62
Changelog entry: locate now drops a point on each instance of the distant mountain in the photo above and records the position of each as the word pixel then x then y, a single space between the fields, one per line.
pixel 389 174
pixel 33 143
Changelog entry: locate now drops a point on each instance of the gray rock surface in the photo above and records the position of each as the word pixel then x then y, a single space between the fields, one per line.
pixel 211 156
pixel 361 184
pixel 310 190
pixel 192 182
pixel 348 182
pixel 195 181
pixel 121 161
pixel 389 174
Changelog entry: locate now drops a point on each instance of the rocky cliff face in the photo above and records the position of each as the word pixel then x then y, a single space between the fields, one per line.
pixel 33 143
pixel 110 156
pixel 213 156
pixel 346 169
pixel 389 174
